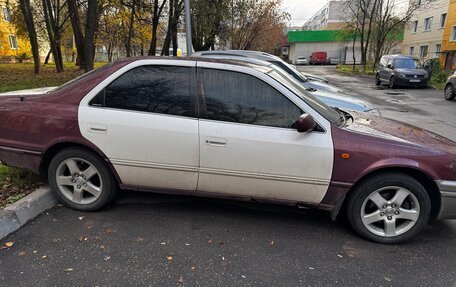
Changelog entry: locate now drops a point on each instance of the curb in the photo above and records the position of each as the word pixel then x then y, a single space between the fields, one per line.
pixel 19 213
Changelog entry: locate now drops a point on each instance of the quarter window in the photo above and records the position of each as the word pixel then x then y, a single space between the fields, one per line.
pixel 155 89
pixel 240 98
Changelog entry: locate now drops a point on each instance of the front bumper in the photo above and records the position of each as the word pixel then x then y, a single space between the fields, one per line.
pixel 448 199
pixel 401 81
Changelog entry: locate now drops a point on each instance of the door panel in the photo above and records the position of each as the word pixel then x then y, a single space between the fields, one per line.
pixel 144 120
pixel 248 146
pixel 265 162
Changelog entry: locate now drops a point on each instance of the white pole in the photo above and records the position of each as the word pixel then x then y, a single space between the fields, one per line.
pixel 188 28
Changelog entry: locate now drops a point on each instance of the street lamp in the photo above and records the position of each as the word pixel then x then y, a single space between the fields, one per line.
pixel 188 27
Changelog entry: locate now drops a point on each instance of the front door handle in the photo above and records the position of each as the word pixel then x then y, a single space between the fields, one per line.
pixel 216 141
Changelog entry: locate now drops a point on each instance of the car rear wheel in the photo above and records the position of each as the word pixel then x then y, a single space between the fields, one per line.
pixel 81 180
pixel 449 92
pixel 392 83
pixel 377 80
pixel 389 208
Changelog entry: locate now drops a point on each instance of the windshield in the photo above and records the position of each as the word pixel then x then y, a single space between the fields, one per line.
pixel 405 64
pixel 290 70
pixel 295 87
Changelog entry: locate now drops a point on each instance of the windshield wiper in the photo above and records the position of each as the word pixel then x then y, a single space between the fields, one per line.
pixel 342 117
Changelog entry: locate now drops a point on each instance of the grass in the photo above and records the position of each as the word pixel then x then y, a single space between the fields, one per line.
pixel 17 183
pixel 349 69
pixel 20 76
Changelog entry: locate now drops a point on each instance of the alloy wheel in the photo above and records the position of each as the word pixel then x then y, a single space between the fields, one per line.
pixel 449 92
pixel 390 211
pixel 79 180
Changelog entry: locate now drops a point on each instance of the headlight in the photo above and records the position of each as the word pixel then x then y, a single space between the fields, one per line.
pixel 402 75
pixel 375 112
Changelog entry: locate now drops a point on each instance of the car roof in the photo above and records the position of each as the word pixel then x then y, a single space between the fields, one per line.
pixel 398 56
pixel 241 53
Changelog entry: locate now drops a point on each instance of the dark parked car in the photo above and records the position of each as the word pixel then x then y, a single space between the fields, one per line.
pixel 227 129
pixel 397 70
pixel 450 88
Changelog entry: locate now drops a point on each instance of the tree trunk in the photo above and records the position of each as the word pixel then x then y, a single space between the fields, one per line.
pixel 90 29
pixel 157 11
pixel 48 55
pixel 130 29
pixel 78 36
pixel 30 24
pixel 53 35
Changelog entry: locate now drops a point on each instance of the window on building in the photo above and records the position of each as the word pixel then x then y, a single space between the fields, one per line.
pixel 427 24
pixel 438 48
pixel 13 41
pixel 411 51
pixel 424 51
pixel 415 26
pixel 443 20
pixel 453 34
pixel 7 14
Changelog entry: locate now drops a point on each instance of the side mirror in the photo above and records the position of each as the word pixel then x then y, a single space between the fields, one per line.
pixel 305 123
pixel 389 66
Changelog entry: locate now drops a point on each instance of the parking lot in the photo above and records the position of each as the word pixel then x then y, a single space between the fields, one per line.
pixel 158 240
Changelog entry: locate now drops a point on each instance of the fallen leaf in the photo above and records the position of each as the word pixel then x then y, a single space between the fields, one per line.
pixel 181 280
pixel 109 230
pixel 387 279
pixel 83 238
pixel 68 270
pixel 209 241
pixel 9 244
pixel 35 252
pixel 107 258
pixel 81 217
pixel 193 268
pixel 22 253
pixel 44 257
pixel 187 244
pixel 311 268
pixel 271 242
pixel 140 239
pixel 243 276
pixel 163 243
pixel 102 247
pixel 90 227
pixel 169 257
pixel 338 255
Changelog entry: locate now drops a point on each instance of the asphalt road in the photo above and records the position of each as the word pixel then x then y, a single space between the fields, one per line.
pixel 156 240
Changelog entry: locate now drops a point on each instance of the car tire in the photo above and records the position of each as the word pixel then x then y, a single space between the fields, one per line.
pixel 392 83
pixel 388 208
pixel 377 80
pixel 449 92
pixel 81 180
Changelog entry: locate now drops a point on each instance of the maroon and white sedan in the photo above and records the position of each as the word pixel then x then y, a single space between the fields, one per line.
pixel 227 129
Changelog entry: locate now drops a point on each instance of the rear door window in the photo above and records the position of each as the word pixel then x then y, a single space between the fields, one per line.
pixel 156 89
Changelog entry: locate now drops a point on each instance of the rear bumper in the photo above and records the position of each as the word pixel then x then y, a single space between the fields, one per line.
pixel 448 199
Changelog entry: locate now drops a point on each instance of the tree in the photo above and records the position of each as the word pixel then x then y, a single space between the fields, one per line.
pixel 208 17
pixel 175 9
pixel 157 10
pixel 27 13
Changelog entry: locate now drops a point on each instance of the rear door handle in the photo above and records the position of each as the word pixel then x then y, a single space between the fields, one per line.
pixel 216 141
pixel 98 128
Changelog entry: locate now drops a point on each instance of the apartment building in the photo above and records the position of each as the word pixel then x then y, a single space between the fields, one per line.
pixel 448 52
pixel 330 17
pixel 11 45
pixel 423 35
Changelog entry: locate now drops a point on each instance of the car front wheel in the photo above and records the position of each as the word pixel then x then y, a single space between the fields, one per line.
pixel 392 83
pixel 377 80
pixel 389 208
pixel 81 180
pixel 449 92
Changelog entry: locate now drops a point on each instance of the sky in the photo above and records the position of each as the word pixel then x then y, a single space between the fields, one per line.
pixel 302 10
